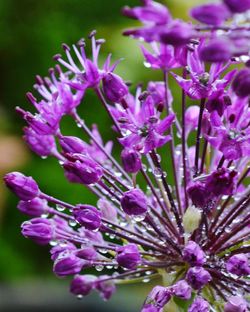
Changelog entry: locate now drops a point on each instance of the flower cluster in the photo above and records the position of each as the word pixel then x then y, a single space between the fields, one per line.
pixel 189 224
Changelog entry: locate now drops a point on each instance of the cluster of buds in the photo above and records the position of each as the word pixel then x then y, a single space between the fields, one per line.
pixel 188 223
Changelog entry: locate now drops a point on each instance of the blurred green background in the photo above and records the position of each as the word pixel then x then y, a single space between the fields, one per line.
pixel 31 33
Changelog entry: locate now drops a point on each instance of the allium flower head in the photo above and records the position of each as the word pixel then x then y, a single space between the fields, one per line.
pixel 185 224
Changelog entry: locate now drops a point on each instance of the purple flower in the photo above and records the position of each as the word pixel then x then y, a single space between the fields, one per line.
pixel 128 256
pixel 241 83
pixel 211 14
pixel 67 264
pixel 199 305
pixel 87 216
pixel 217 50
pixel 87 253
pixel 42 145
pixel 134 202
pixel 83 168
pixel 145 131
pixel 151 12
pixel 198 194
pixel 238 265
pixel 82 284
pixel 203 84
pixel 106 288
pixel 236 304
pixel 131 160
pixel 150 308
pixel 34 207
pixel 114 87
pixel 193 254
pixel 238 6
pixel 221 182
pixel 62 247
pixel 72 144
pixel 39 230
pixel 182 290
pixel 24 187
pixel 159 297
pixel 177 33
pixel 198 277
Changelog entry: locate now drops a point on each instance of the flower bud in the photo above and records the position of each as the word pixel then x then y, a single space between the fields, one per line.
pixel 211 14
pixel 83 168
pixel 191 117
pixel 114 87
pixel 42 145
pixel 71 144
pixel 177 33
pixel 217 51
pixel 198 277
pixel 88 216
pixel 222 182
pixel 238 6
pixel 238 265
pixel 134 202
pixel 67 265
pixel 82 284
pixel 24 187
pixel 34 207
pixel 39 230
pixel 159 296
pixel 149 308
pixel 106 288
pixel 236 304
pixel 60 248
pixel 198 194
pixel 193 254
pixel 182 290
pixel 87 253
pixel 241 83
pixel 131 160
pixel 128 256
pixel 199 305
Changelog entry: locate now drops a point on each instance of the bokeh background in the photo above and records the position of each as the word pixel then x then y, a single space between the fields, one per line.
pixel 31 33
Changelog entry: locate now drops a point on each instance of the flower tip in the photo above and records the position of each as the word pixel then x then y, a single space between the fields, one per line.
pixel 65 47
pixel 30 97
pixel 92 34
pixel 57 57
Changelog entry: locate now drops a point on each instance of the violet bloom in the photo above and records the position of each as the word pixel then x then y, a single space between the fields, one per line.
pixel 236 304
pixel 203 84
pixel 82 284
pixel 134 202
pixel 39 230
pixel 236 6
pixel 42 145
pixel 159 297
pixel 193 254
pixel 34 207
pixel 87 216
pixel 211 14
pixel 85 169
pixel 238 265
pixel 131 160
pixel 150 308
pixel 67 264
pixel 61 248
pixel 24 187
pixel 221 182
pixel 182 290
pixel 198 277
pixel 106 288
pixel 128 256
pixel 241 83
pixel 145 131
pixel 87 253
pixel 114 87
pixel 199 305
pixel 217 50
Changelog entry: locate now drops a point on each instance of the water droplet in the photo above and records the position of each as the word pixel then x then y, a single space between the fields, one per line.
pixel 60 208
pixel 99 268
pixel 72 223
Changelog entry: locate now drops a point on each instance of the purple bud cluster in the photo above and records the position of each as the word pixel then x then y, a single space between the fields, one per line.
pixel 187 221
